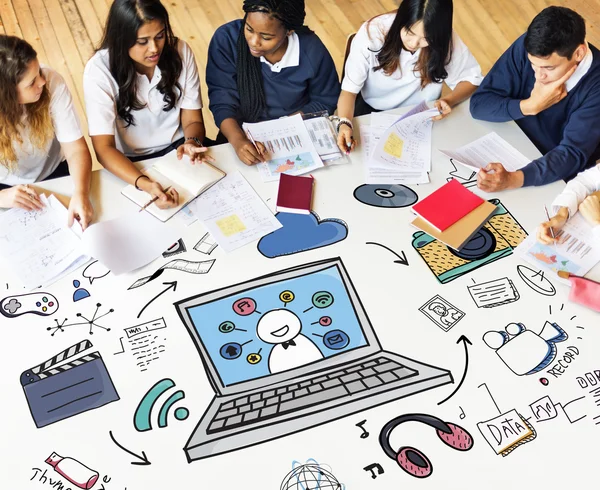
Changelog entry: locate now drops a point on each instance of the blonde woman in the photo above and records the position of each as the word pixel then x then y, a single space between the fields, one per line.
pixel 40 137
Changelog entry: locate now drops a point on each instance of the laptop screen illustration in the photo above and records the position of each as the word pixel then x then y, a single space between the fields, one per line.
pixel 278 326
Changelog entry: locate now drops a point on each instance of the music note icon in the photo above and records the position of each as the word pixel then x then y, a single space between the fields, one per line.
pixel 364 434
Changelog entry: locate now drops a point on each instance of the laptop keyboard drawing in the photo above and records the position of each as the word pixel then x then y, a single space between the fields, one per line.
pixel 289 351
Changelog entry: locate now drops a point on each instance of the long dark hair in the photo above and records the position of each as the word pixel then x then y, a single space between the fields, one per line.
pixel 248 69
pixel 120 34
pixel 15 57
pixel 437 25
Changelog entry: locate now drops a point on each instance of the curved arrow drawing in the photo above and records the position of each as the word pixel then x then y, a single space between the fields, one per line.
pixel 401 260
pixel 169 286
pixel 466 341
pixel 143 459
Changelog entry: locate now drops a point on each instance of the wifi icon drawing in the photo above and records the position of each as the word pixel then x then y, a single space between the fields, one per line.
pixel 143 413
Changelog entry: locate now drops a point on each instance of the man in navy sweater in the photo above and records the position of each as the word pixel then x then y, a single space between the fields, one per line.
pixel 548 81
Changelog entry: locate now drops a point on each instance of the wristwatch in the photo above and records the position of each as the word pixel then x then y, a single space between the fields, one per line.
pixel 195 140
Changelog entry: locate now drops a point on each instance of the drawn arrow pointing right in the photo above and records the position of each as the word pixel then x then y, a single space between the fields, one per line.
pixel 143 459
pixel 401 260
pixel 169 286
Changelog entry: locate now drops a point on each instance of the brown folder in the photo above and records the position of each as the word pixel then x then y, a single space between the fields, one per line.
pixel 460 232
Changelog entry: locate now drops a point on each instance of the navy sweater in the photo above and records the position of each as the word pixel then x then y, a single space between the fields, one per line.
pixel 311 86
pixel 567 133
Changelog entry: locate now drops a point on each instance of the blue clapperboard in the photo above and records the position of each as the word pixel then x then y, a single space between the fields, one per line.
pixel 56 392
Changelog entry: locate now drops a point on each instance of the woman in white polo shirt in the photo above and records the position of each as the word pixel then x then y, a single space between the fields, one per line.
pixel 142 95
pixel 39 128
pixel 403 58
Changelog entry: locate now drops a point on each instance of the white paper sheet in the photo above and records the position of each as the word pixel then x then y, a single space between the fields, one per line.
pixel 369 136
pixel 487 149
pixel 37 246
pixel 323 137
pixel 129 241
pixel 576 251
pixel 407 143
pixel 290 149
pixel 233 213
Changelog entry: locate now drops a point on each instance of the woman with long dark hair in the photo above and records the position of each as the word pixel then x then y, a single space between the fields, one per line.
pixel 40 136
pixel 264 66
pixel 142 95
pixel 403 58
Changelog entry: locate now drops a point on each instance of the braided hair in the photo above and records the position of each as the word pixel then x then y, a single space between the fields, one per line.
pixel 249 75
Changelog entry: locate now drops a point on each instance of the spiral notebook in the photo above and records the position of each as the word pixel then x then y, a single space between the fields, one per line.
pixel 189 180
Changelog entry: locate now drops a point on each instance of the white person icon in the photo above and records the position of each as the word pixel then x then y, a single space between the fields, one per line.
pixel 292 349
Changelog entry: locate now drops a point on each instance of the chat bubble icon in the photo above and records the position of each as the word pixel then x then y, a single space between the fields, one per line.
pixel 95 271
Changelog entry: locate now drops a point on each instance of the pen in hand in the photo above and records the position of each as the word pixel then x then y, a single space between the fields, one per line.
pixel 254 143
pixel 551 230
pixel 154 199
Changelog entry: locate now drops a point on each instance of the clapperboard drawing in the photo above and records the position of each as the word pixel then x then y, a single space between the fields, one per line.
pixel 60 388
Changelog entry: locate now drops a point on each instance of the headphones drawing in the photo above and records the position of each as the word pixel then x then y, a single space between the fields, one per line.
pixel 410 459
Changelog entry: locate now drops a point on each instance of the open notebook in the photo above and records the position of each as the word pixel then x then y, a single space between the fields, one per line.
pixel 189 180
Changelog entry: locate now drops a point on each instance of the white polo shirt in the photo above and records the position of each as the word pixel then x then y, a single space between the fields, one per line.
pixel 153 128
pixel 290 58
pixel 35 164
pixel 403 87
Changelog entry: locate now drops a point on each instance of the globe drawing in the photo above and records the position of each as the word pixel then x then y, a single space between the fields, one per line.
pixel 310 476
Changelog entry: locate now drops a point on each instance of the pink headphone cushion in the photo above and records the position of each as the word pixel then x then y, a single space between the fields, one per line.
pixel 459 439
pixel 418 465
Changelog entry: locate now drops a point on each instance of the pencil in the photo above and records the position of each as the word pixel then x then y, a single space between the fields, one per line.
pixel 154 199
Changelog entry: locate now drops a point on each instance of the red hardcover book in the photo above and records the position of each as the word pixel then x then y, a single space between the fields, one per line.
pixel 445 206
pixel 294 194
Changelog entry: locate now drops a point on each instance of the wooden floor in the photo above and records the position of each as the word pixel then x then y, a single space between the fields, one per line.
pixel 66 32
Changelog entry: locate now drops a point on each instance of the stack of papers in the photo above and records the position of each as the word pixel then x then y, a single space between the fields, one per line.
pixel 290 149
pixel 37 247
pixel 575 251
pixel 233 213
pixel 398 149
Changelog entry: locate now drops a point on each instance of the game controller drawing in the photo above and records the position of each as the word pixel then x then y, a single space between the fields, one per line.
pixel 523 351
pixel 44 304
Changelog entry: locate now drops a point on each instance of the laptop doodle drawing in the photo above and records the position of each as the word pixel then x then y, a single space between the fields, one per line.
pixel 289 351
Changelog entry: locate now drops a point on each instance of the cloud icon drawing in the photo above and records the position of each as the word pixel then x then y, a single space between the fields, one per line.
pixel 301 232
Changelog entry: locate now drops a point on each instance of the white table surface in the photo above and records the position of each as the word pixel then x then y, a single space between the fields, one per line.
pixel 562 453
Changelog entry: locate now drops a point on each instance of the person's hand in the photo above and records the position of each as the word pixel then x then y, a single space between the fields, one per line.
pixel 494 177
pixel 545 95
pixel 345 139
pixel 444 108
pixel 247 153
pixel 590 209
pixel 80 209
pixel 195 152
pixel 166 200
pixel 20 196
pixel 554 225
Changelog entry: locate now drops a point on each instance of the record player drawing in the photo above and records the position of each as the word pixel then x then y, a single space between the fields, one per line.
pixel 495 240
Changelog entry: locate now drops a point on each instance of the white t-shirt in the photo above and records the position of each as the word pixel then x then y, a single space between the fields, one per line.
pixel 153 128
pixel 403 87
pixel 35 164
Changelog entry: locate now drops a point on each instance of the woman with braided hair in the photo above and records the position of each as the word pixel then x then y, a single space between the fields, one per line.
pixel 40 136
pixel 264 66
